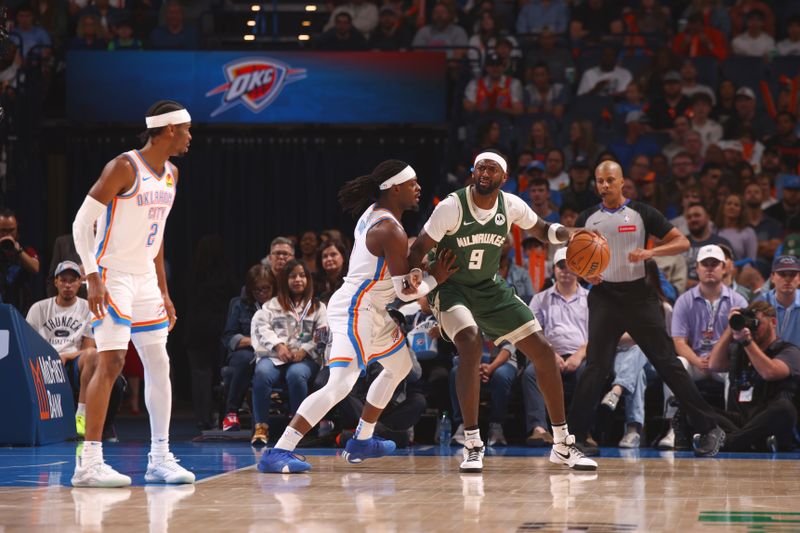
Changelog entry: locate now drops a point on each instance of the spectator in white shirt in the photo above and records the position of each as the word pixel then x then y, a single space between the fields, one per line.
pixel 363 13
pixel 791 45
pixel 606 79
pixel 709 129
pixel 755 42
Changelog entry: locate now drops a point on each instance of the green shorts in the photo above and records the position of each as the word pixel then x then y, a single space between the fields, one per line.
pixel 491 305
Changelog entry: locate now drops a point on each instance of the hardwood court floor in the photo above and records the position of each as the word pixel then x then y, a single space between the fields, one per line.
pixel 418 491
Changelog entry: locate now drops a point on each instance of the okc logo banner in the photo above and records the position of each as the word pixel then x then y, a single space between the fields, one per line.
pixel 254 82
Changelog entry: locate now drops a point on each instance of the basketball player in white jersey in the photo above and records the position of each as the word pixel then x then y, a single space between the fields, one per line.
pixel 124 265
pixel 362 330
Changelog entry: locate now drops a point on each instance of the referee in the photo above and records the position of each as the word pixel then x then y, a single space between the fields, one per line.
pixel 621 301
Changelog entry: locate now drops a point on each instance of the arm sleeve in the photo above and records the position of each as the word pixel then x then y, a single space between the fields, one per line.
pixel 520 213
pixel 83 232
pixel 654 222
pixel 444 218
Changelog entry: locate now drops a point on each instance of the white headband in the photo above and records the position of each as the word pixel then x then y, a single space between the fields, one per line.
pixel 492 157
pixel 181 116
pixel 401 177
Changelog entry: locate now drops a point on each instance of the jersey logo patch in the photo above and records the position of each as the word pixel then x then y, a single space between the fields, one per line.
pixel 254 82
pixel 626 229
pixel 170 181
pixel 499 219
pixel 468 223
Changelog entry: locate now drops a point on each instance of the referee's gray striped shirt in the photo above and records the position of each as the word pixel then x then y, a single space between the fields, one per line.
pixel 626 229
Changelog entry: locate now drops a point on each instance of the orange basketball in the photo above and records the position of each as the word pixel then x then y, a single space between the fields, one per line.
pixel 587 254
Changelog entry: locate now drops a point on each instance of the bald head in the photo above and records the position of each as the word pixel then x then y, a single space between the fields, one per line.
pixel 608 168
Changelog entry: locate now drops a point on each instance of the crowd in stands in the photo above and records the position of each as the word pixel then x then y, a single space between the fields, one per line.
pixel 697 100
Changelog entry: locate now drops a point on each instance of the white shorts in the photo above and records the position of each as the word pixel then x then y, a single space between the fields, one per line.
pixel 360 330
pixel 135 311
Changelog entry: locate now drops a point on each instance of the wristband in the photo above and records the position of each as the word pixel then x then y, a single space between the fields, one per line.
pixel 551 233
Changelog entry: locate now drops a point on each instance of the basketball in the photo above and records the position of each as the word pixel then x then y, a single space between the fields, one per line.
pixel 587 254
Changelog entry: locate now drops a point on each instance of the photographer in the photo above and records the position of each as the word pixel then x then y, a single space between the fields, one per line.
pixel 17 264
pixel 764 375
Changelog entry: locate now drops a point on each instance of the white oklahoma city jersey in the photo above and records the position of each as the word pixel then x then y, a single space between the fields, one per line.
pixel 129 234
pixel 446 218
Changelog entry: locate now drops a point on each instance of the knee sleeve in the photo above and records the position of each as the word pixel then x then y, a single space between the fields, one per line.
pixel 395 369
pixel 157 387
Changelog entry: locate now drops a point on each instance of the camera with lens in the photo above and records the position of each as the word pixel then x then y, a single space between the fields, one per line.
pixel 7 246
pixel 743 319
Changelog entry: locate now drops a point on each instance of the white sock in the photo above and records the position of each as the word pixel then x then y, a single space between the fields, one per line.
pixel 364 430
pixel 472 434
pixel 289 440
pixel 560 432
pixel 81 410
pixel 159 447
pixel 92 452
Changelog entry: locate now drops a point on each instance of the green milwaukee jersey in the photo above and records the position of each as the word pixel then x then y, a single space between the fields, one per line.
pixel 477 246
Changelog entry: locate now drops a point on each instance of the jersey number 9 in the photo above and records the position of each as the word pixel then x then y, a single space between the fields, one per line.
pixel 475 259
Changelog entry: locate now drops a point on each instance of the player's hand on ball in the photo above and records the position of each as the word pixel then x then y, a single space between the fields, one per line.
pixel 640 254
pixel 594 280
pixel 444 267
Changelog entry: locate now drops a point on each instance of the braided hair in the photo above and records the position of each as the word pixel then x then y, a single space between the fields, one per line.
pixel 357 194
pixel 159 108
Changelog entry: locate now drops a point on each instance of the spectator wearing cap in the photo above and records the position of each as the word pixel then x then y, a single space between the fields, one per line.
pixel 343 36
pixel 580 194
pixel 700 40
pixel 542 96
pixel 709 129
pixel 65 322
pixel 539 193
pixel 768 230
pixel 787 210
pixel 700 235
pixel 495 92
pixel 733 154
pixel 633 144
pixel 791 45
pixel 785 140
pixel 664 110
pixel 731 222
pixel 745 114
pixel 754 42
pixel 442 31
pixel 539 14
pixel 785 296
pixel 532 171
pixel 363 14
pixel 125 39
pixel 563 312
pixel 391 33
pixel 606 79
pixel 700 317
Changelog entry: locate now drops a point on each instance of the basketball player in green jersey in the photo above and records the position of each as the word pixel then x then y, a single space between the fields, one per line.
pixel 474 222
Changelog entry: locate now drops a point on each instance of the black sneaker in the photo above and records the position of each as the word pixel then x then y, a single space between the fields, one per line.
pixel 708 445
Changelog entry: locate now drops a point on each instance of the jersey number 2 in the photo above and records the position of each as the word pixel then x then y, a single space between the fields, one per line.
pixel 152 237
pixel 475 260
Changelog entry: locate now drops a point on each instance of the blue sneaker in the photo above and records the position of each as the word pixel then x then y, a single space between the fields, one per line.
pixel 357 450
pixel 277 461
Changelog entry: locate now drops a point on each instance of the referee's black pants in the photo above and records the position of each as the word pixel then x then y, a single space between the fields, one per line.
pixel 632 306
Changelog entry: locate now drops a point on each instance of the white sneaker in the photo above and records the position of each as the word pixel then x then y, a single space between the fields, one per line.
pixel 458 437
pixel 566 453
pixel 98 474
pixel 473 456
pixel 632 439
pixel 668 442
pixel 496 436
pixel 167 471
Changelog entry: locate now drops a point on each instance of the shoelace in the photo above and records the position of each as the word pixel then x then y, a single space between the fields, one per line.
pixel 577 451
pixel 473 454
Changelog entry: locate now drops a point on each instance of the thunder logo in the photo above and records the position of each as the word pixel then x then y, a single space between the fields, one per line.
pixel 255 82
